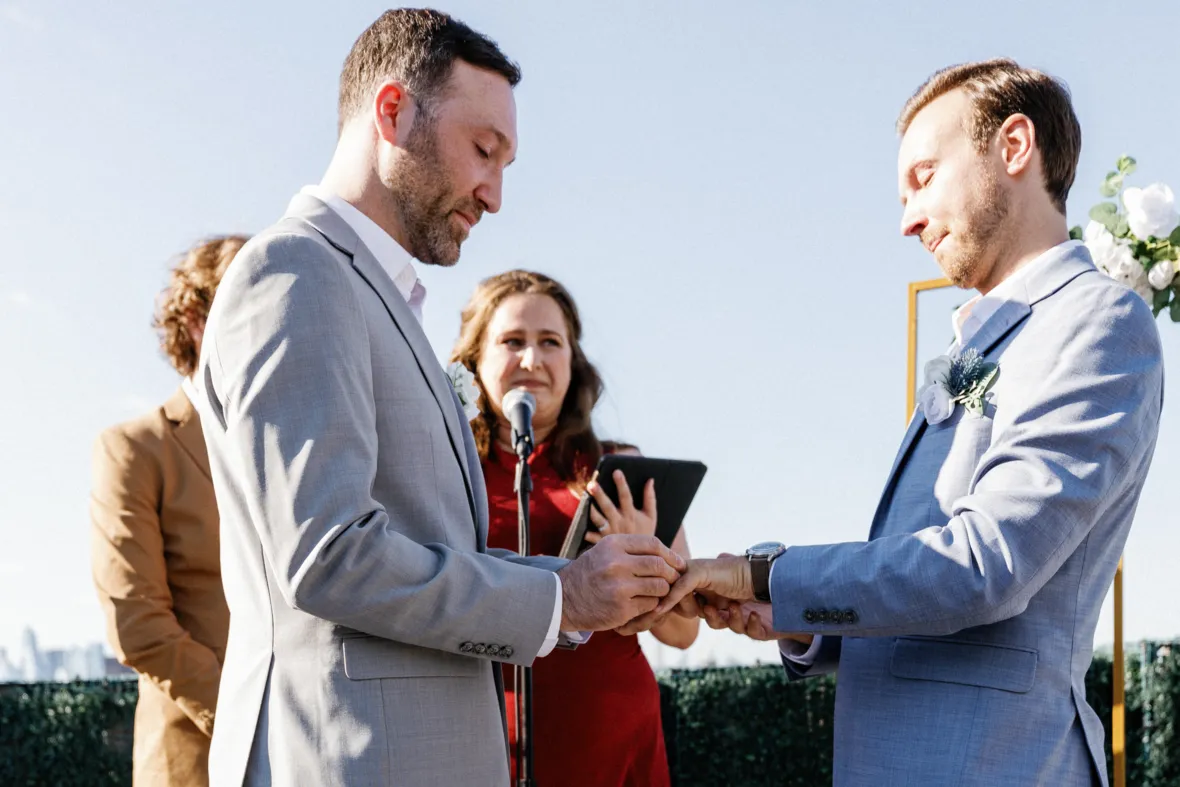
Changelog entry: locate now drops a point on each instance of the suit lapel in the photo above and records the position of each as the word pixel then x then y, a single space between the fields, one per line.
pixel 337 232
pixel 1049 276
pixel 186 427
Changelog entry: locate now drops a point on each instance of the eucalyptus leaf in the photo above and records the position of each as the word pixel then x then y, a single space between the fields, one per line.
pixel 1106 214
pixel 1126 165
pixel 1174 310
pixel 1161 298
pixel 1111 186
pixel 1075 233
pixel 1175 237
pixel 1122 229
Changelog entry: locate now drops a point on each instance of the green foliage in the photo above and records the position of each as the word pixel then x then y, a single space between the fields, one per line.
pixel 723 726
pixel 1106 214
pixel 66 734
pixel 1112 185
pixel 1160 301
pixel 749 726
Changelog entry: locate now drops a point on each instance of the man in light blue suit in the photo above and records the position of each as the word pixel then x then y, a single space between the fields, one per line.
pixel 963 627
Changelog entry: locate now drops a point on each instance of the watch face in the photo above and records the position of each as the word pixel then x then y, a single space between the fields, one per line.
pixel 766 548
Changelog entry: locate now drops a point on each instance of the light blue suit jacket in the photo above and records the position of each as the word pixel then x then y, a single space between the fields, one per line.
pixel 963 627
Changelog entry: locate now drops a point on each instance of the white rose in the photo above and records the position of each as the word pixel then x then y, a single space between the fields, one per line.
pixel 1104 247
pixel 936 404
pixel 1129 271
pixel 1151 211
pixel 463 381
pixel 1161 274
pixel 938 370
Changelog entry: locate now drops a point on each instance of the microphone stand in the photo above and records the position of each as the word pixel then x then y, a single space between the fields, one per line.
pixel 523 676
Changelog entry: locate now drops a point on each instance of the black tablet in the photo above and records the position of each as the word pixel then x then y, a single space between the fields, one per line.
pixel 676 483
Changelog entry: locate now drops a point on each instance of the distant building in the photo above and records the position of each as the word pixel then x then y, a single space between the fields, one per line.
pixel 33 665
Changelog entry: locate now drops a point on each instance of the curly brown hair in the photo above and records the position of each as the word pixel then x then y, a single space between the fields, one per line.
pixel 575 449
pixel 192 284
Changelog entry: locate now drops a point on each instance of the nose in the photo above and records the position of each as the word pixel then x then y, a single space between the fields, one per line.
pixel 490 193
pixel 528 358
pixel 913 221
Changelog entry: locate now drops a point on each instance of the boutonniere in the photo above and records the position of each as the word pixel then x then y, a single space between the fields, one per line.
pixel 951 380
pixel 463 381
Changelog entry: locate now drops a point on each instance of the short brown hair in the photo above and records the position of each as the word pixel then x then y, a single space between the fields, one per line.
pixel 999 89
pixel 418 47
pixel 575 448
pixel 192 284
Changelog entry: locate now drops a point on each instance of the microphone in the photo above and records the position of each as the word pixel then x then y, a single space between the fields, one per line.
pixel 518 407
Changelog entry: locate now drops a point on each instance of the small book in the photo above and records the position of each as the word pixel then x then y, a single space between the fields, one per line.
pixel 676 484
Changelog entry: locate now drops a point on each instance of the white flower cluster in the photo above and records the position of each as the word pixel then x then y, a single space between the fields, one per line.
pixel 1113 257
pixel 463 381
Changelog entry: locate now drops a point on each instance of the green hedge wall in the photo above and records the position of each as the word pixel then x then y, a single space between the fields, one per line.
pixel 748 726
pixel 66 734
pixel 723 726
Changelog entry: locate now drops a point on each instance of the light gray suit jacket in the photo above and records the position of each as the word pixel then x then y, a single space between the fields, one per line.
pixel 963 628
pixel 365 613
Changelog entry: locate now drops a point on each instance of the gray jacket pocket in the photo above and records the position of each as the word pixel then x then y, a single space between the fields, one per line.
pixel 367 658
pixel 967 663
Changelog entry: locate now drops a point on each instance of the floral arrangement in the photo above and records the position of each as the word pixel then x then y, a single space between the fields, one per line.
pixel 1136 239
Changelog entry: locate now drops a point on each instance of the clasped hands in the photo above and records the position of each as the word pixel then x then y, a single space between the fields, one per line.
pixel 719 590
pixel 629 581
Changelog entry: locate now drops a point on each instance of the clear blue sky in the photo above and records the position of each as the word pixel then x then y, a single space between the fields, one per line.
pixel 716 187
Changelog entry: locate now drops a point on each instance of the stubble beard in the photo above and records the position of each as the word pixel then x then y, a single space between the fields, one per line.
pixel 984 238
pixel 421 192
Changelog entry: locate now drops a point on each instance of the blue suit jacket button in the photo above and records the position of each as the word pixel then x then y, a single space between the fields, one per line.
pixel 809 615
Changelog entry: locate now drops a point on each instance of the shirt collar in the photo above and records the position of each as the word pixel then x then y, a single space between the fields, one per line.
pixel 396 261
pixel 971 316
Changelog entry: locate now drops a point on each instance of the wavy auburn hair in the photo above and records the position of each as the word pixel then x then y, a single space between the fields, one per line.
pixel 574 448
pixel 191 285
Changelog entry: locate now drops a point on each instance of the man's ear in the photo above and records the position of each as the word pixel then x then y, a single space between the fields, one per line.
pixel 394 112
pixel 1018 142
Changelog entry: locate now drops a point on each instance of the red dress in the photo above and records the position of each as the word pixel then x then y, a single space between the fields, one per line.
pixel 596 709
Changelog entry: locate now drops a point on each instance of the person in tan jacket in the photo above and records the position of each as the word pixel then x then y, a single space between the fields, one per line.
pixel 155 546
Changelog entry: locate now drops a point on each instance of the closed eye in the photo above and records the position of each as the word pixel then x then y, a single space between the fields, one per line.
pixel 483 153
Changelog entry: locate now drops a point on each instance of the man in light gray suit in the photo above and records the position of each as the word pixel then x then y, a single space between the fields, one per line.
pixel 963 627
pixel 366 610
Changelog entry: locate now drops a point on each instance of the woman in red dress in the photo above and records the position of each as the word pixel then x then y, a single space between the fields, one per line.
pixel 596 709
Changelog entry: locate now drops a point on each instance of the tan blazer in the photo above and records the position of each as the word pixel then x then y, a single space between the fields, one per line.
pixel 156 564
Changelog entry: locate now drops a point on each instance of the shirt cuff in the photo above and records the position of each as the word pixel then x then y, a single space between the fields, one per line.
pixel 794 651
pixel 551 637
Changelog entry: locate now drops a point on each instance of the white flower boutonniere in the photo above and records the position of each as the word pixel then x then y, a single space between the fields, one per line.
pixel 950 380
pixel 463 381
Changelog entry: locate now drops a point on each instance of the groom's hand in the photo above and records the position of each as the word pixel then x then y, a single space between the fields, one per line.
pixel 617 580
pixel 707 582
pixel 753 619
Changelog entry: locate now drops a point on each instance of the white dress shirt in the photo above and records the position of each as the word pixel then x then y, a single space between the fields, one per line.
pixel 398 263
pixel 966 322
